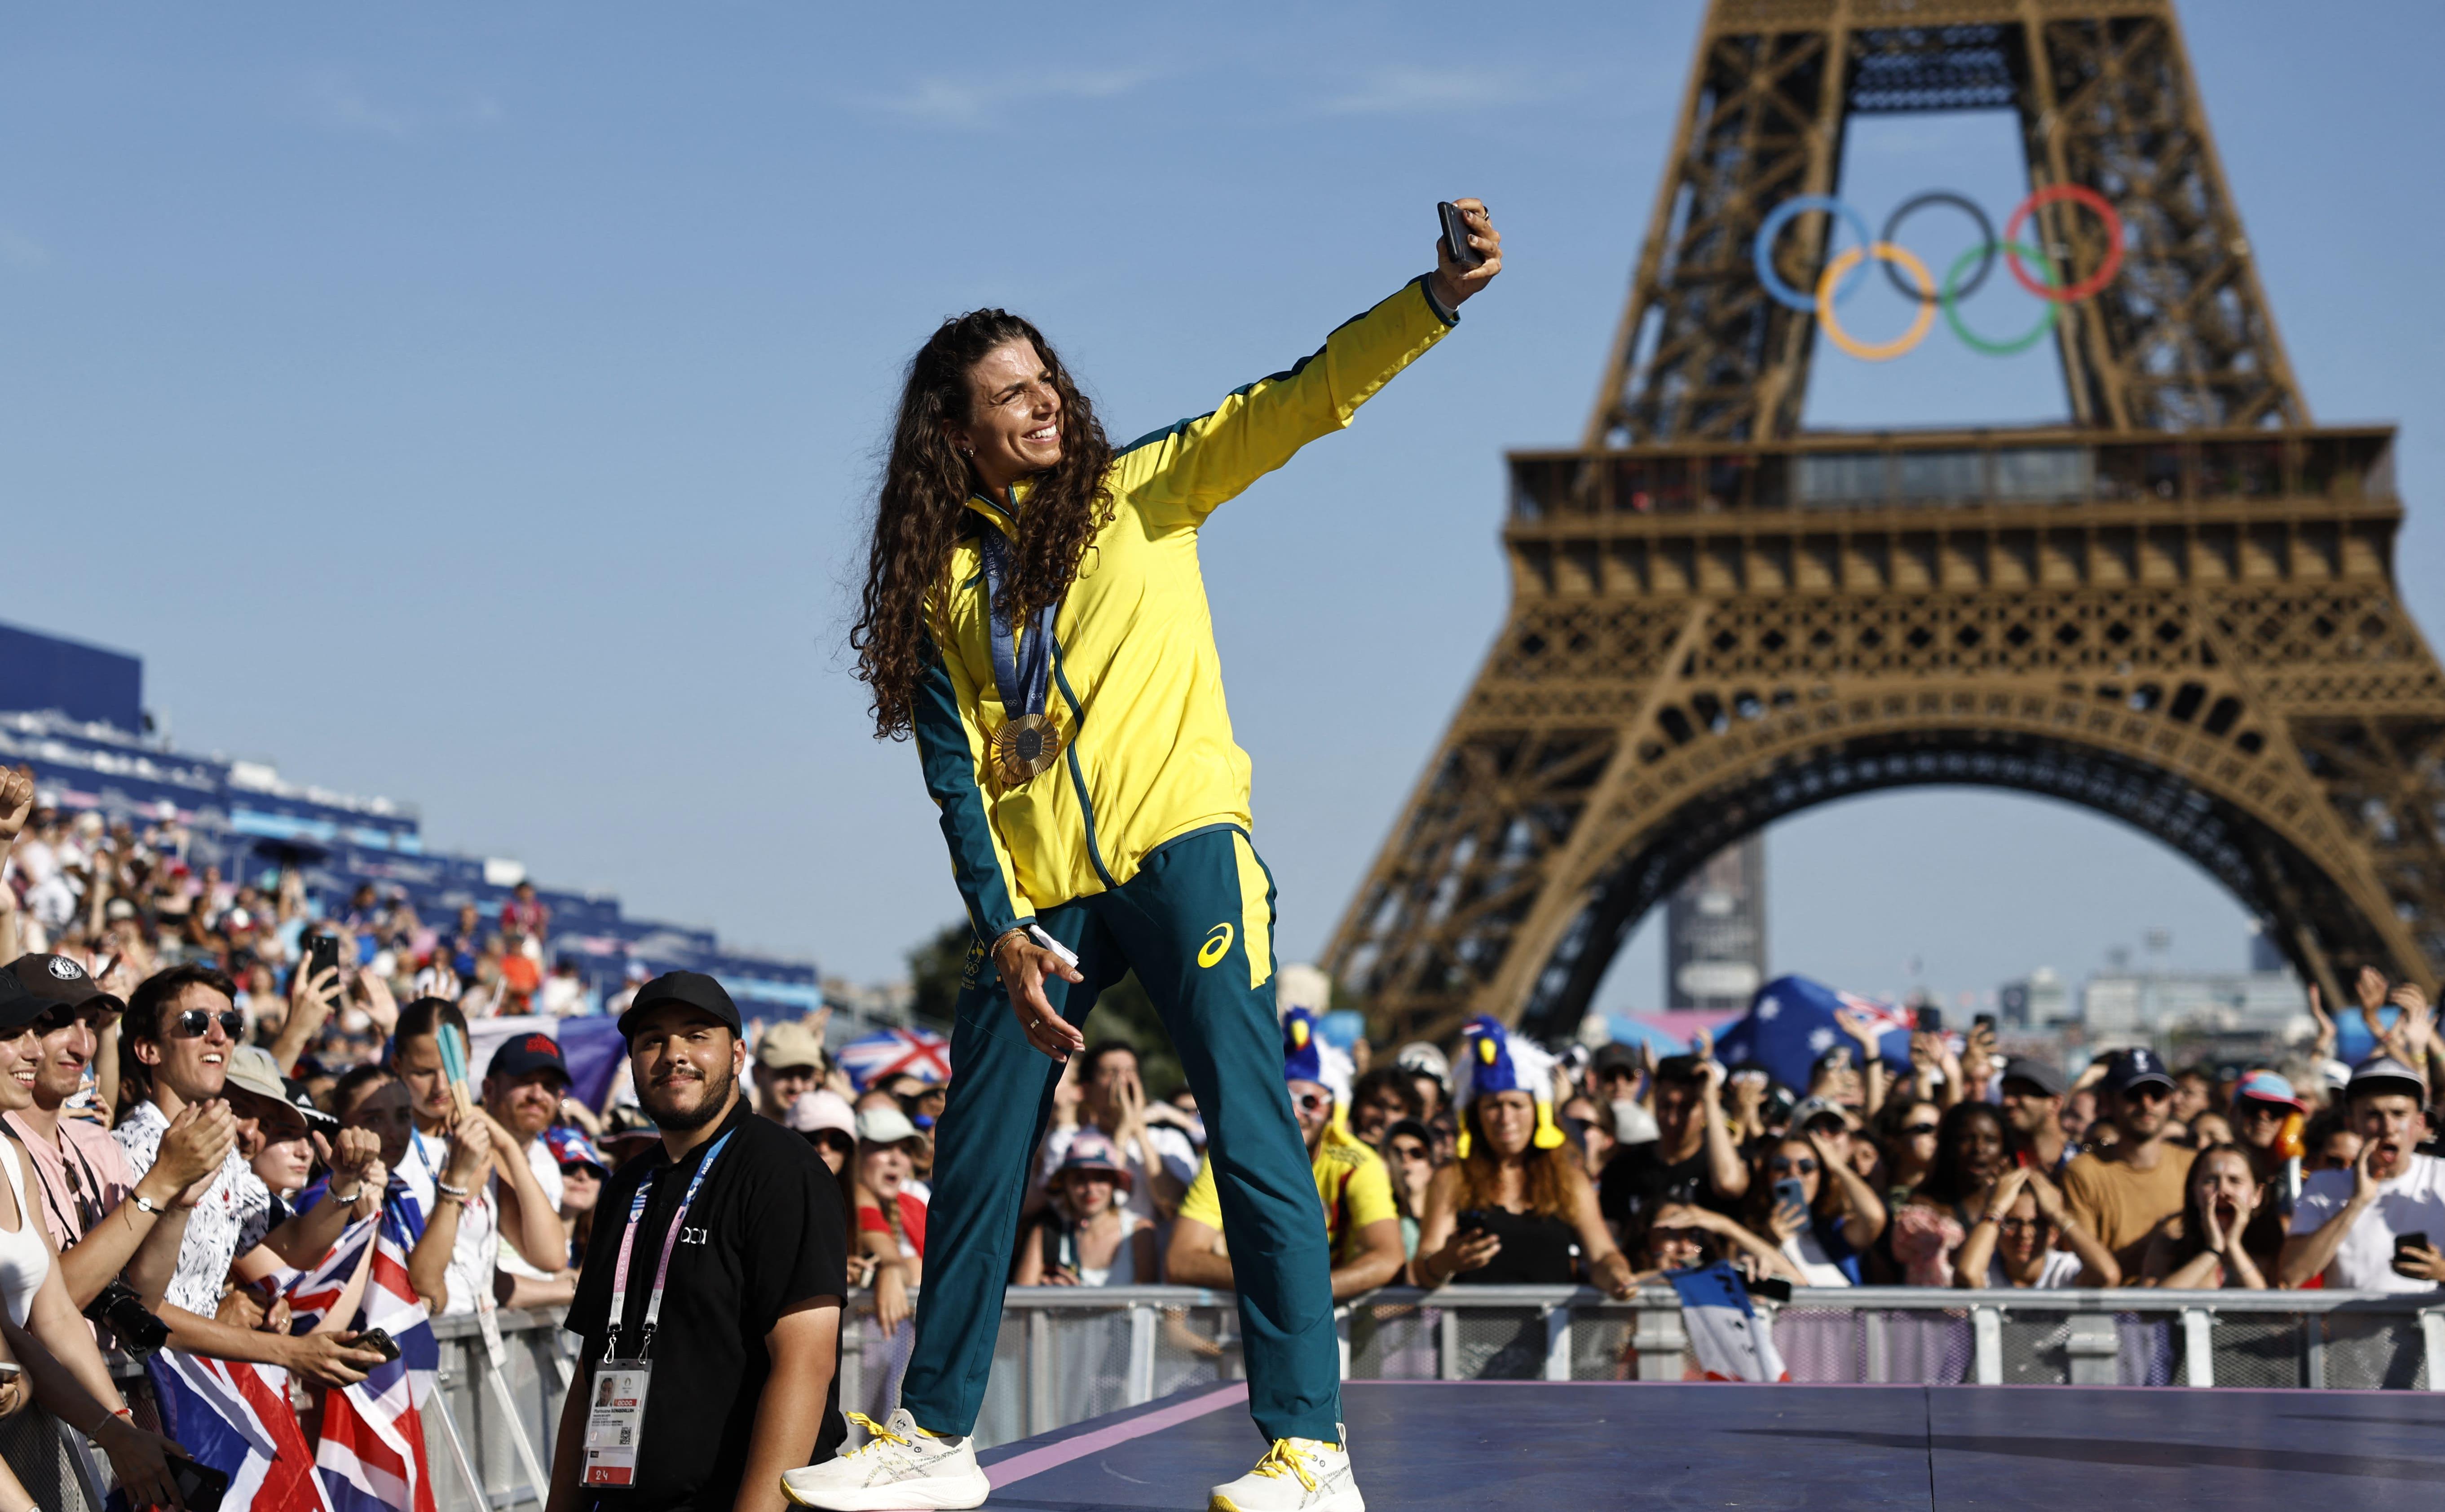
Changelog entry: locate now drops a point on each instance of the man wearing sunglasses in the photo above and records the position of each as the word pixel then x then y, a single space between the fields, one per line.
pixel 2032 1102
pixel 2122 1192
pixel 1361 1221
pixel 176 1044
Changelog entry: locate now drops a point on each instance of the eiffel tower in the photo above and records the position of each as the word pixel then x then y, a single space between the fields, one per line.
pixel 2179 609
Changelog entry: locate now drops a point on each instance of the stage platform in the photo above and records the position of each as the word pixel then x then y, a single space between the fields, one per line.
pixel 1569 1448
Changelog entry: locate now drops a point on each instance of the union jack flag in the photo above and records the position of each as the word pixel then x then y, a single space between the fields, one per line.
pixel 371 1456
pixel 915 1052
pixel 235 1416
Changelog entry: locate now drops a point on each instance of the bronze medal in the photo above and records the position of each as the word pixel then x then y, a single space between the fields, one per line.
pixel 1024 747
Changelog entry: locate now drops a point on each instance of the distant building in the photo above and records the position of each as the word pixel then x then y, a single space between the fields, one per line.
pixel 1714 931
pixel 2138 1006
pixel 2035 1001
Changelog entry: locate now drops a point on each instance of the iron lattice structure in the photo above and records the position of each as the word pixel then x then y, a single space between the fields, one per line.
pixel 2179 609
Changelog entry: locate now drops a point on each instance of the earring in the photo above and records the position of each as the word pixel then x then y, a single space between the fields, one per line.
pixel 967 450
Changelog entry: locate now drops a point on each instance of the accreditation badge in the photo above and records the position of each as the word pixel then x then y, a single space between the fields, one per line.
pixel 615 1421
pixel 1024 747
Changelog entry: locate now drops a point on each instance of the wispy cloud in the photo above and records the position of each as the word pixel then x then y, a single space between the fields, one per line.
pixel 338 103
pixel 17 249
pixel 942 101
pixel 1402 89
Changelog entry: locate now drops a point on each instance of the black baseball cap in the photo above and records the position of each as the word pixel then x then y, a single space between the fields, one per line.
pixel 1615 1057
pixel 1681 1068
pixel 57 981
pixel 694 988
pixel 303 1101
pixel 2133 1067
pixel 19 1007
pixel 2043 1074
pixel 522 1053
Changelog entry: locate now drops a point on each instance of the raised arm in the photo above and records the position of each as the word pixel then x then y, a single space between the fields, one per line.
pixel 1180 474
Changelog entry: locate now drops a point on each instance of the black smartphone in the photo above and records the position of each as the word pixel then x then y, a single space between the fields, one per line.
pixel 1472 1221
pixel 1986 1022
pixel 1456 234
pixel 379 1341
pixel 1773 1288
pixel 322 955
pixel 2403 1243
pixel 200 1486
pixel 1930 1021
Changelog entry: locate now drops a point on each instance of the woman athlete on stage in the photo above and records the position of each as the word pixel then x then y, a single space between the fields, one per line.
pixel 1034 615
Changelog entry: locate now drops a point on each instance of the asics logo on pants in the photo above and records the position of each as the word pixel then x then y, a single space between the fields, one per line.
pixel 1218 945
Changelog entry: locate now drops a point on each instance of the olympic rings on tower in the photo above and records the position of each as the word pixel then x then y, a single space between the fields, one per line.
pixel 1835 284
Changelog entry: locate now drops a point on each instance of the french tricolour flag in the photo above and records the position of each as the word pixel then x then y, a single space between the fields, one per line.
pixel 1732 1343
pixel 371 1456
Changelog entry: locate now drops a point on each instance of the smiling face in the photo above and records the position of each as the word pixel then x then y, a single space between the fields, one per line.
pixel 68 1037
pixel 1014 422
pixel 2143 1110
pixel 193 1066
pixel 580 1184
pixel 1313 1106
pixel 686 1065
pixel 2257 1122
pixel 21 1055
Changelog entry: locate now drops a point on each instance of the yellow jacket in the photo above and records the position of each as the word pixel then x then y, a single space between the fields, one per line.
pixel 1351 1179
pixel 1137 683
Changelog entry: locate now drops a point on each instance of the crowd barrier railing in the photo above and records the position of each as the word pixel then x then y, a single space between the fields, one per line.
pixel 1068 1354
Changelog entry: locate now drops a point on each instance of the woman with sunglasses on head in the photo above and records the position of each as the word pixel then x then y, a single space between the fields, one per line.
pixel 2027 1238
pixel 1825 1222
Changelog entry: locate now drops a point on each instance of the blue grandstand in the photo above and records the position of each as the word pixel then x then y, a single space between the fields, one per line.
pixel 70 701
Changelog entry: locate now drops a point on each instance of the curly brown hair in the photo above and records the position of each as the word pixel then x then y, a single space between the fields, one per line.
pixel 920 510
pixel 1547 1189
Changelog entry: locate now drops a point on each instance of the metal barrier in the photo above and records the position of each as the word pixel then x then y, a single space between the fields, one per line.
pixel 1067 1353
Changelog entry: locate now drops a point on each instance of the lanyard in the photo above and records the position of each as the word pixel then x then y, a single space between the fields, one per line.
pixel 1019 672
pixel 671 1241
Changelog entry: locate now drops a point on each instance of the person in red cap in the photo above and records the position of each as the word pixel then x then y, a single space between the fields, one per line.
pixel 523 1086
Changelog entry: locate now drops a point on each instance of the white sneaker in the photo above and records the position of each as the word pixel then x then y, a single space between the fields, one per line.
pixel 899 1465
pixel 1295 1475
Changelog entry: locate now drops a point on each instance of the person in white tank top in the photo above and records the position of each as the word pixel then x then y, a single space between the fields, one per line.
pixel 56 1348
pixel 1094 1239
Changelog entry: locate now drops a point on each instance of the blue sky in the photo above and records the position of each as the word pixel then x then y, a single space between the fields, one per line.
pixel 476 405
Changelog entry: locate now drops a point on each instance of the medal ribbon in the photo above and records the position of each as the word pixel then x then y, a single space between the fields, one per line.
pixel 1021 673
pixel 671 1241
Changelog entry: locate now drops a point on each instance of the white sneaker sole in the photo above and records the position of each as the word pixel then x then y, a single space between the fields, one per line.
pixel 946 1492
pixel 1349 1501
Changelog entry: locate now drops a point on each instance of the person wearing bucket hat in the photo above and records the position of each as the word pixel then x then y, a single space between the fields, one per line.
pixel 1088 1237
pixel 1515 1208
pixel 1355 1187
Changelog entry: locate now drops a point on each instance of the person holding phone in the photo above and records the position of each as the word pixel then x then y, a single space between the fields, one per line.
pixel 1034 616
pixel 2376 1225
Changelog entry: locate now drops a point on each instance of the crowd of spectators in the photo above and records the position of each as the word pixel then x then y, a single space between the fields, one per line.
pixel 224 1071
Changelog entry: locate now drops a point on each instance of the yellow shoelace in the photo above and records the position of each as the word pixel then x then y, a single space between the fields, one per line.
pixel 1285 1455
pixel 876 1433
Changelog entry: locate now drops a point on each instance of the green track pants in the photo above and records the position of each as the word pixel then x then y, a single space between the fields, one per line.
pixel 1195 924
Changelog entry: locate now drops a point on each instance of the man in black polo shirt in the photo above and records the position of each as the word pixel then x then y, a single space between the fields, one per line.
pixel 738 1380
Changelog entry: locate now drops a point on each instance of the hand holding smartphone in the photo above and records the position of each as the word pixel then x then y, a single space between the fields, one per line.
pixel 1455 228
